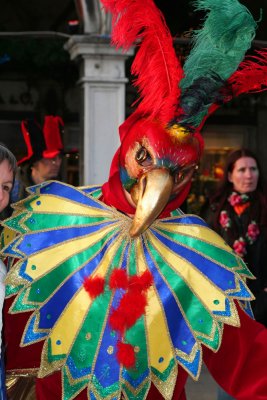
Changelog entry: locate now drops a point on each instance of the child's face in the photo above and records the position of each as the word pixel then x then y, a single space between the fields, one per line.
pixel 6 183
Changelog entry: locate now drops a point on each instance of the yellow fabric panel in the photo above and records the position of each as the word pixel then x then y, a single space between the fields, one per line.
pixel 69 323
pixel 52 204
pixel 159 343
pixel 8 235
pixel 49 258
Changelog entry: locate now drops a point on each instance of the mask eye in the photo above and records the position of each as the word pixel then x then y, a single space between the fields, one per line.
pixel 142 156
pixel 180 174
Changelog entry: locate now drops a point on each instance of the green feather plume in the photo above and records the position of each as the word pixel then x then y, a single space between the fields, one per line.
pixel 218 49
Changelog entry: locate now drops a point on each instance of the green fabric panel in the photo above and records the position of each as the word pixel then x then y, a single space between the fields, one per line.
pixel 16 222
pixel 110 393
pixel 38 222
pixel 136 336
pixel 227 258
pixel 140 395
pixel 71 390
pixel 176 213
pixel 96 194
pixel 163 376
pixel 84 349
pixel 132 270
pixel 11 290
pixel 209 342
pixel 27 203
pixel 21 304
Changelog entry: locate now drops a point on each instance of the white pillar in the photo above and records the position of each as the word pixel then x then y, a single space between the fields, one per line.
pixel 102 81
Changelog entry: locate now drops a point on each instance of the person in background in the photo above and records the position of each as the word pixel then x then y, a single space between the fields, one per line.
pixel 8 165
pixel 238 212
pixel 44 154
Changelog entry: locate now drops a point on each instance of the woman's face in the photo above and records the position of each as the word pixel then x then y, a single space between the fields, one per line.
pixel 6 183
pixel 245 175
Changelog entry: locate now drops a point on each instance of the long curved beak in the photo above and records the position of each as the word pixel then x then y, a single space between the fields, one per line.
pixel 151 194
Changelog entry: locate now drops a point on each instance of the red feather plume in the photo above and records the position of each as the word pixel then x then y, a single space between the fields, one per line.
pixel 27 140
pixel 251 76
pixel 156 66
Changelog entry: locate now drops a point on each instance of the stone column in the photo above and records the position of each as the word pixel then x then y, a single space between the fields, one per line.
pixel 102 81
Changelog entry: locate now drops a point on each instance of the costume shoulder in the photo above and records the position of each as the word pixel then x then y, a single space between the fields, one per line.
pixel 83 281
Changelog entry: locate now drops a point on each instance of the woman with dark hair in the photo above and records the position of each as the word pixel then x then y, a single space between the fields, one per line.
pixel 238 212
pixel 232 158
pixel 8 165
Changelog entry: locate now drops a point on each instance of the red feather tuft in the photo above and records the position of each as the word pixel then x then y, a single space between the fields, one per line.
pixel 156 66
pixel 132 307
pixel 117 321
pixel 94 286
pixel 251 75
pixel 118 279
pixel 125 354
pixel 142 282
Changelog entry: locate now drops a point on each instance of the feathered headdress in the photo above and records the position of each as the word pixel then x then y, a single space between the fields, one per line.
pixel 182 98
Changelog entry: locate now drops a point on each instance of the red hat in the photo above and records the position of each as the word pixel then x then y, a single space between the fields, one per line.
pixel 42 143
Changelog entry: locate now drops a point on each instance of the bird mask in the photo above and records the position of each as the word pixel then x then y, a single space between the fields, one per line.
pixel 160 142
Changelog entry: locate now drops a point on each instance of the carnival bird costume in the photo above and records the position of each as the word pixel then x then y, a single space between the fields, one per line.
pixel 116 292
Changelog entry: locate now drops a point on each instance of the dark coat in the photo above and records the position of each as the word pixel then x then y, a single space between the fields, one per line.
pixel 256 253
